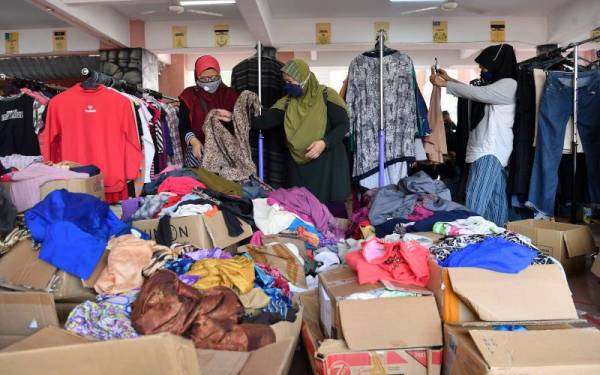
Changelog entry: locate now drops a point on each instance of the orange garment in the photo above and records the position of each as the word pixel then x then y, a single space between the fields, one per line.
pixel 435 144
pixel 402 262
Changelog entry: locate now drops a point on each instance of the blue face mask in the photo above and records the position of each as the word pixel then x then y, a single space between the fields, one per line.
pixel 293 89
pixel 487 76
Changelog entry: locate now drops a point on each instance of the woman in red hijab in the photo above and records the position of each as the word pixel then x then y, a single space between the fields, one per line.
pixel 196 101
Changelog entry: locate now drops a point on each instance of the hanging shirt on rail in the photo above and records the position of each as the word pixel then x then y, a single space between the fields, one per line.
pixel 95 126
pixel 17 130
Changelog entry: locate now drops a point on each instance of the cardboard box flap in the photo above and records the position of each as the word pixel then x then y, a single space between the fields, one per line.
pixel 217 230
pixel 536 293
pixel 391 323
pixel 20 269
pixel 579 241
pixel 23 313
pixel 46 338
pixel 220 362
pixel 564 347
pixel 272 359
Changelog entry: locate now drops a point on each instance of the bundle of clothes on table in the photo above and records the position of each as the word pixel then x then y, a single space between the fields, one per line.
pixel 218 299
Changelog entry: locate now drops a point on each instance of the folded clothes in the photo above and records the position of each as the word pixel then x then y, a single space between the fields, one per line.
pixel 271 219
pixel 100 320
pixel 180 185
pixel 237 272
pixel 91 170
pixel 494 254
pixel 471 225
pixel 151 205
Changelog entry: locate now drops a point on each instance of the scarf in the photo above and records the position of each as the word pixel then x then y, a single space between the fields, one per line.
pixel 200 102
pixel 305 116
pixel 501 61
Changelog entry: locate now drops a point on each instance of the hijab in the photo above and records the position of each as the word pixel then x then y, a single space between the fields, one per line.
pixel 305 118
pixel 500 60
pixel 200 102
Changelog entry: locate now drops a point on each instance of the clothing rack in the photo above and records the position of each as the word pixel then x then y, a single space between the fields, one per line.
pixel 5 77
pixel 574 144
pixel 120 84
pixel 261 137
pixel 381 42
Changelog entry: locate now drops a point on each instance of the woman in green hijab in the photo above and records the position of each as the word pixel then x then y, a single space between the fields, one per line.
pixel 315 119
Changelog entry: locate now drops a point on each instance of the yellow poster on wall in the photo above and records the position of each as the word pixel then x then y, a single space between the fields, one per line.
pixel 11 43
pixel 385 26
pixel 179 34
pixel 323 33
pixel 498 31
pixel 59 40
pixel 440 31
pixel 221 35
pixel 596 32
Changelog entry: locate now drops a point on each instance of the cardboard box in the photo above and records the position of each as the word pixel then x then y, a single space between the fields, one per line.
pixel 171 355
pixel 334 357
pixel 567 243
pixel 474 296
pixel 92 185
pixel 20 269
pixel 539 350
pixel 147 355
pixel 24 313
pixel 202 231
pixel 341 282
pixel 596 267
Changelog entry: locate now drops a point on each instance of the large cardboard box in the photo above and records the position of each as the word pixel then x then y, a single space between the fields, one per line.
pixel 202 231
pixel 24 313
pixel 92 185
pixel 329 357
pixel 567 243
pixel 20 269
pixel 176 355
pixel 474 296
pixel 340 282
pixel 539 350
pixel 596 267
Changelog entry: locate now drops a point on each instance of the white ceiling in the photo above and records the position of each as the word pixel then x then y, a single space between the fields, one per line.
pixel 134 9
pixel 385 8
pixel 20 15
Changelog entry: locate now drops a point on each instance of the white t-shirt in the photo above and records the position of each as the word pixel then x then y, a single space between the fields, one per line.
pixel 493 135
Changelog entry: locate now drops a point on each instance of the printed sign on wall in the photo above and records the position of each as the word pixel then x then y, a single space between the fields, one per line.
pixel 179 36
pixel 440 31
pixel 323 33
pixel 11 43
pixel 385 26
pixel 498 31
pixel 221 35
pixel 596 32
pixel 59 40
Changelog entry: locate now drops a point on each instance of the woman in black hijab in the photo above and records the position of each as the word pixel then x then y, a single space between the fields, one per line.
pixel 491 137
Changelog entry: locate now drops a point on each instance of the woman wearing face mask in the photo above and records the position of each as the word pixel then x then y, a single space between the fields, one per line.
pixel 491 138
pixel 196 101
pixel 315 120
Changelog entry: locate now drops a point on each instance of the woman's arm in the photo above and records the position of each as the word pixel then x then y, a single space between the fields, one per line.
pixel 340 125
pixel 269 119
pixel 185 127
pixel 501 92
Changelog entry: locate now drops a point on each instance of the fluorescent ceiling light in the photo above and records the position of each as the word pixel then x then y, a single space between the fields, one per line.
pixel 417 1
pixel 206 2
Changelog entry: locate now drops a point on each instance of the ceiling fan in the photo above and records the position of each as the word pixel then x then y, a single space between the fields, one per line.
pixel 447 5
pixel 177 8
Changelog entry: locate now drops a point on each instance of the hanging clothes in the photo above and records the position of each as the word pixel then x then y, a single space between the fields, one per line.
pixel 435 143
pixel 245 77
pixel 17 126
pixel 228 153
pixel 95 126
pixel 400 111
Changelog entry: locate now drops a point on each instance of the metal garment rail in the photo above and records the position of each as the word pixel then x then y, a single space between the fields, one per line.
pixel 261 137
pixel 381 114
pixel 4 77
pixel 107 80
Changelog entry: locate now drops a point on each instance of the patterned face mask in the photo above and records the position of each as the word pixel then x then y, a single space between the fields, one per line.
pixel 210 87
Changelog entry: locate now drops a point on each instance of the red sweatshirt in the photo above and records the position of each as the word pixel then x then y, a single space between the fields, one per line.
pixel 94 127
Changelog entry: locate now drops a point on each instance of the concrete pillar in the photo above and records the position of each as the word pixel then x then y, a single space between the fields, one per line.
pixel 137 34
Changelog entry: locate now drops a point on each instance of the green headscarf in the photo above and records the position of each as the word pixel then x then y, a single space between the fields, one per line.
pixel 306 115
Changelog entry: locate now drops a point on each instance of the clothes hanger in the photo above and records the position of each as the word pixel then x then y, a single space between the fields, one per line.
pixel 375 51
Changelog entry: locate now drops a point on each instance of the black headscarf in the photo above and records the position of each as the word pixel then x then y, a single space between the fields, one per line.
pixel 500 60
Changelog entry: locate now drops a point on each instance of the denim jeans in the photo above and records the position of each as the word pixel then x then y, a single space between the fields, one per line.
pixel 555 109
